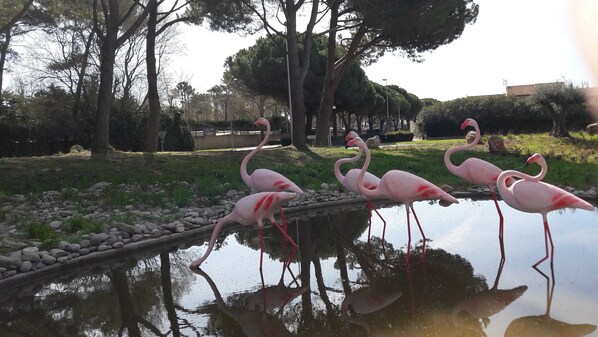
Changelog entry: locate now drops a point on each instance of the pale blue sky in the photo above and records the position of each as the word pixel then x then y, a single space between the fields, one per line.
pixel 521 41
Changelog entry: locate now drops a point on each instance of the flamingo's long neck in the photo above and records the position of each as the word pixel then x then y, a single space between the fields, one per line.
pixel 501 182
pixel 447 155
pixel 338 163
pixel 217 228
pixel 219 301
pixel 368 193
pixel 244 175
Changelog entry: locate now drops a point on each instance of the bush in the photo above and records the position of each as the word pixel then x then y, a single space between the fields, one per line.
pixel 76 148
pixel 397 136
pixel 496 114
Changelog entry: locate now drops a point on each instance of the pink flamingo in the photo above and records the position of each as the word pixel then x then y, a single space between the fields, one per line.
pixel 349 182
pixel 248 211
pixel 478 172
pixel 401 186
pixel 533 196
pixel 265 180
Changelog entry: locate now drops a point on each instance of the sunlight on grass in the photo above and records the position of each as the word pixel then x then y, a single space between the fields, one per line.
pixel 572 162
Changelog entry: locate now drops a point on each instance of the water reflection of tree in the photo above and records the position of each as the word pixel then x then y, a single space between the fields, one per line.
pixel 430 290
pixel 126 297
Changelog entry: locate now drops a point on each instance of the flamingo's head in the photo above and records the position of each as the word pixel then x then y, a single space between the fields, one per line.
pixel 355 142
pixel 261 121
pixel 351 135
pixel 535 158
pixel 468 122
pixel 285 196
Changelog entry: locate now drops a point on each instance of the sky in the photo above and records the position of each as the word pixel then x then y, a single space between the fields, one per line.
pixel 517 41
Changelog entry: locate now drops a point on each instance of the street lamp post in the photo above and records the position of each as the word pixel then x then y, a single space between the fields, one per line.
pixel 387 116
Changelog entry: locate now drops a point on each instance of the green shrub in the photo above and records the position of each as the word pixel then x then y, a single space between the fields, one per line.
pixel 496 114
pixel 76 148
pixel 397 136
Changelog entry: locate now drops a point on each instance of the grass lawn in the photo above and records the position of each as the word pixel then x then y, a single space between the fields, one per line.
pixel 571 162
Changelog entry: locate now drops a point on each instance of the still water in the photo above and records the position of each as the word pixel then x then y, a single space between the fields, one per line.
pixel 355 289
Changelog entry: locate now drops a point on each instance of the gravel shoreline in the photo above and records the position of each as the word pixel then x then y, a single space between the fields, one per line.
pixel 134 226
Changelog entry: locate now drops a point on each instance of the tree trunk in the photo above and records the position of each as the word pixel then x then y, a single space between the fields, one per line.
pixel 335 71
pixel 330 86
pixel 82 72
pixel 334 123
pixel 3 53
pixel 558 125
pixel 99 148
pixel 109 42
pixel 169 303
pixel 297 96
pixel 153 125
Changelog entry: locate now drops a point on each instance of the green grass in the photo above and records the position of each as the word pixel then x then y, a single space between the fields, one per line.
pixel 82 225
pixel 572 162
pixel 42 233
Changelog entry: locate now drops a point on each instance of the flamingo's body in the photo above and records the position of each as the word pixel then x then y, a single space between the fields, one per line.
pixel 534 196
pixel 477 172
pixel 265 180
pixel 401 186
pixel 251 210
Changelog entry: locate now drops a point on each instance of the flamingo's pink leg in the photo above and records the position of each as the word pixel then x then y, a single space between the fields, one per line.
pixel 370 206
pixel 261 246
pixel 408 237
pixel 547 238
pixel 290 240
pixel 284 226
pixel 500 225
pixel 422 232
pixel 383 227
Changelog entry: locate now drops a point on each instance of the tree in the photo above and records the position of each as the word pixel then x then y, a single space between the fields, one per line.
pixel 107 28
pixel 377 26
pixel 298 59
pixel 222 15
pixel 185 92
pixel 18 17
pixel 261 70
pixel 559 99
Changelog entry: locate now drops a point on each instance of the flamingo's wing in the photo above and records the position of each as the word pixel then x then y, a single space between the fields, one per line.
pixel 370 181
pixel 534 196
pixel 480 172
pixel 265 180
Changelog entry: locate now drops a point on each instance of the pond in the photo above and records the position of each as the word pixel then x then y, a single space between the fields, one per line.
pixel 355 289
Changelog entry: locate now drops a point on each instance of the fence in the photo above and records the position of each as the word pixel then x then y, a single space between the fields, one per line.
pixel 227 139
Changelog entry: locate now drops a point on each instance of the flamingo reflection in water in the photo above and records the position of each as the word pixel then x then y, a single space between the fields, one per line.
pixel 479 172
pixel 534 196
pixel 253 320
pixel 401 186
pixel 474 312
pixel 349 182
pixel 251 210
pixel 544 325
pixel 366 300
